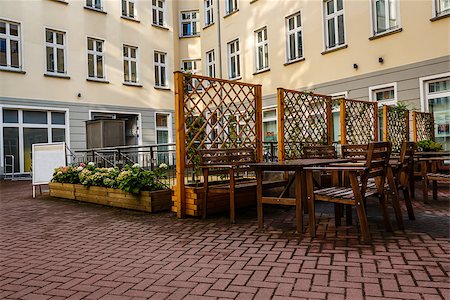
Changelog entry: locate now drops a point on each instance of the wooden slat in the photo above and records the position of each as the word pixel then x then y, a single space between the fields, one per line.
pixel 280 201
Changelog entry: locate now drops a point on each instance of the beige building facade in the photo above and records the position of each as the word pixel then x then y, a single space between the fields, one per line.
pixel 65 62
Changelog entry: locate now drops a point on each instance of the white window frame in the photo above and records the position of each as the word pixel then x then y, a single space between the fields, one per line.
pixel 295 32
pixel 158 64
pixel 191 21
pixel 231 6
pixel 8 38
pixel 211 63
pixel 93 4
pixel 264 44
pixel 380 88
pixel 96 53
pixel 56 46
pixel 21 125
pixel 423 88
pixel 373 17
pixel 131 59
pixel 156 10
pixel 194 62
pixel 437 9
pixel 209 12
pixel 126 13
pixel 237 59
pixel 335 16
pixel 169 129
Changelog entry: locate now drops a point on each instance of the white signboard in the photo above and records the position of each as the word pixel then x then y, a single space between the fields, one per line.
pixel 47 157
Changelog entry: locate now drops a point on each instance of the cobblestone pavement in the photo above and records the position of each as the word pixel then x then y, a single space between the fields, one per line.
pixel 57 249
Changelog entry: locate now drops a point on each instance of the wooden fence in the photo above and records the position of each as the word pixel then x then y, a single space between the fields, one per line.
pixel 395 126
pixel 423 126
pixel 359 121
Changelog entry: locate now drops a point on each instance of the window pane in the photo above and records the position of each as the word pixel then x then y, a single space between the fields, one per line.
pixel 98 4
pixel 59 38
pixel 100 66
pixel 58 118
pixel 11 147
pixel 2 52
pixel 380 17
pixel 299 45
pixel 163 76
pixel 133 72
pixel 157 83
pixel 50 60
pixel 2 27
pixel 99 45
pixel 161 120
pixel 125 51
pixel 49 36
pixel 91 65
pixel 90 44
pixel 392 14
pixel 330 7
pixel 133 52
pixel 13 29
pixel 340 4
pixel 331 34
pixel 131 10
pixel 299 22
pixel 291 46
pixel 89 3
pixel 58 135
pixel 291 23
pixel 32 136
pixel 162 58
pixel 126 74
pixel 60 60
pixel 341 29
pixel 10 116
pixel 34 117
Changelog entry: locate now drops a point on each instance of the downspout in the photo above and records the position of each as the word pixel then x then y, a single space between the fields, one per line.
pixel 219 39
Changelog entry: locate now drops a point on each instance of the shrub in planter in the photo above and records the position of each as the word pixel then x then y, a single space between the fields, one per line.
pixel 429 145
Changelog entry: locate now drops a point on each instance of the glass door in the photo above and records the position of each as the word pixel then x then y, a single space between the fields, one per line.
pixel 438 97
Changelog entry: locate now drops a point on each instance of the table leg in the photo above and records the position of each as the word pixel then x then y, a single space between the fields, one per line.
pixel 411 180
pixel 299 196
pixel 434 182
pixel 259 205
pixel 395 201
pixel 311 210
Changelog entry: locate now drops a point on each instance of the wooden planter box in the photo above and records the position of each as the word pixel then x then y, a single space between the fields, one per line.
pixel 145 201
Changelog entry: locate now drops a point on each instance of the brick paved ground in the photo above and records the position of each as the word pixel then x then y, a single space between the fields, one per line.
pixel 55 249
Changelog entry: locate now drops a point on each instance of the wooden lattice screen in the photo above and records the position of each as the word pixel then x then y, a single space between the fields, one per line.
pixel 213 113
pixel 303 119
pixel 423 126
pixel 395 126
pixel 359 121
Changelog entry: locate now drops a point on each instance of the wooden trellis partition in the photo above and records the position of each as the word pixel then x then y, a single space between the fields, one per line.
pixel 395 126
pixel 303 119
pixel 213 113
pixel 423 126
pixel 359 121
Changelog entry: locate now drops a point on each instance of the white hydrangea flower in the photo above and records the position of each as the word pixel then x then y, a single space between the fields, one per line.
pixel 80 168
pixel 91 163
pixel 163 166
pixel 136 166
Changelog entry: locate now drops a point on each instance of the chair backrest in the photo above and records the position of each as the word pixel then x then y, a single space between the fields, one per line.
pixel 377 160
pixel 354 152
pixel 239 157
pixel 407 152
pixel 319 151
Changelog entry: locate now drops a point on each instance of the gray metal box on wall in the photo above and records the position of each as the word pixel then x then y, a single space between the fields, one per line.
pixel 105 133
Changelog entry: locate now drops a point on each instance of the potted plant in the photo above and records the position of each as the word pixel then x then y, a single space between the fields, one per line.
pixel 131 187
pixel 429 146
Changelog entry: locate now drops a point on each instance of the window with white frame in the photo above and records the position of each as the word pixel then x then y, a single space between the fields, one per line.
pixel 160 69
pixel 334 23
pixel 158 7
pixel 129 8
pixel 437 102
pixel 211 63
pixel 130 64
pixel 442 7
pixel 191 66
pixel 294 37
pixel 23 127
pixel 209 12
pixel 384 94
pixel 96 4
pixel 96 58
pixel 270 125
pixel 189 23
pixel 262 49
pixel 234 57
pixel 230 6
pixel 55 47
pixel 385 15
pixel 163 136
pixel 10 45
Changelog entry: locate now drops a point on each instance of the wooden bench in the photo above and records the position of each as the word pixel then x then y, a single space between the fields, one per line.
pixel 234 163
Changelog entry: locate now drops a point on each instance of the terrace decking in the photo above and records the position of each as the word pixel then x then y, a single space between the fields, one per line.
pixel 54 248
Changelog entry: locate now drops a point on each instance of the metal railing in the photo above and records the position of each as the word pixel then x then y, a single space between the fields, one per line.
pixel 9 175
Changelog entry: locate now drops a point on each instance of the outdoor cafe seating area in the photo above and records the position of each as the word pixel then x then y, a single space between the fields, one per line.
pixel 219 134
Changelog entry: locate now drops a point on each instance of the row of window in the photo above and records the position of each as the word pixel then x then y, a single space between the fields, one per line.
pixel 56 56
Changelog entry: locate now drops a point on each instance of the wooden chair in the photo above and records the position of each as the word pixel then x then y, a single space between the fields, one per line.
pixel 402 172
pixel 319 151
pixel 432 170
pixel 375 166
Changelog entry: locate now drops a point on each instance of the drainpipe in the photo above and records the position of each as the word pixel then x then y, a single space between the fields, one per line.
pixel 219 39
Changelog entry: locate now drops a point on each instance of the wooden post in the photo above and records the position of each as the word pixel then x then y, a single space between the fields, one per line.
pixel 259 123
pixel 375 115
pixel 329 121
pixel 407 126
pixel 342 121
pixel 414 124
pixel 385 122
pixel 432 129
pixel 180 144
pixel 280 124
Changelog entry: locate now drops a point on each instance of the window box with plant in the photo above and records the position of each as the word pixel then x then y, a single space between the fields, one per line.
pixel 130 187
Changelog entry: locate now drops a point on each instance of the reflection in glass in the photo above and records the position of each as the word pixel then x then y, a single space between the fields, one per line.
pixel 32 136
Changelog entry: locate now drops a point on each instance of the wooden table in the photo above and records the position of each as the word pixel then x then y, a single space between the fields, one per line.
pixel 429 167
pixel 299 178
pixel 419 155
